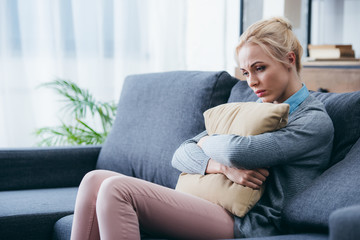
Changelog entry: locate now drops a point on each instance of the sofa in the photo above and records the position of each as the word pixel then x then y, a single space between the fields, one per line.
pixel 156 113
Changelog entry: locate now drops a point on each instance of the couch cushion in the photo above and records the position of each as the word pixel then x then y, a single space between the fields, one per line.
pixel 62 228
pixel 156 113
pixel 345 222
pixel 336 188
pixel 31 214
pixel 344 110
pixel 62 231
pixel 308 236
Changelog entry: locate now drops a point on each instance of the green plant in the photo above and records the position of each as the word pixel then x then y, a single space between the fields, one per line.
pixel 80 106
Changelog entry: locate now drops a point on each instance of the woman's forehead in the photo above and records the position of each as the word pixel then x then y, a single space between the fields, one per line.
pixel 251 53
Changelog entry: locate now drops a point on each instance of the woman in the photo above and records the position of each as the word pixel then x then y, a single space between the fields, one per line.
pixel 113 206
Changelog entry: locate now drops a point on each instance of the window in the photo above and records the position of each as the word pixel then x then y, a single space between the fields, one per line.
pixel 295 11
pixel 97 43
pixel 336 22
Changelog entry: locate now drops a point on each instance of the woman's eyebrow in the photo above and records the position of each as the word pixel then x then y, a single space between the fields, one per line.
pixel 242 69
pixel 256 63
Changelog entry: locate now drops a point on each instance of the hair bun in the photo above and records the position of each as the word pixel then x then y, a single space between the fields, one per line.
pixel 283 21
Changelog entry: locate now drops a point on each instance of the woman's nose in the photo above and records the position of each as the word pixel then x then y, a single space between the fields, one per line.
pixel 253 81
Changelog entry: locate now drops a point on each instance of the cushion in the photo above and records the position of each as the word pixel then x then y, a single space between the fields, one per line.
pixel 336 188
pixel 242 119
pixel 218 189
pixel 245 119
pixel 308 236
pixel 156 113
pixel 31 214
pixel 345 222
pixel 62 228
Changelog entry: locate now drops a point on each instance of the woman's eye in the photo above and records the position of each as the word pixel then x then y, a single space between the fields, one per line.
pixel 260 69
pixel 245 74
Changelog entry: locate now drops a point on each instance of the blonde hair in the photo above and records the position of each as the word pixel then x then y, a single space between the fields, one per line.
pixel 275 37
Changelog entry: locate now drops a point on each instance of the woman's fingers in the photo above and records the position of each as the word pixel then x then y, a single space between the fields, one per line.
pixel 254 183
pixel 251 185
pixel 263 171
pixel 257 175
pixel 248 178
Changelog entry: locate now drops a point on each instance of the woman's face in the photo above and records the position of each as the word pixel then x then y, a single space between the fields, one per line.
pixel 269 79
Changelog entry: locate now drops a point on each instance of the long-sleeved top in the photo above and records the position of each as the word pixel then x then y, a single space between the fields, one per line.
pixel 295 155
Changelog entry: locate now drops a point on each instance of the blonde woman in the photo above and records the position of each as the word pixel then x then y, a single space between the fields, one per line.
pixel 113 206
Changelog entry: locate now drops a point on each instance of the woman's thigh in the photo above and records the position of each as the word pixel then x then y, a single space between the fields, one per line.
pixel 165 212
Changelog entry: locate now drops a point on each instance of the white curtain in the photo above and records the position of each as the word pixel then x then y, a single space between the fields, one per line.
pixel 96 43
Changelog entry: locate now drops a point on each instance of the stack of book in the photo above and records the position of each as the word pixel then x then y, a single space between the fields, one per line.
pixel 331 53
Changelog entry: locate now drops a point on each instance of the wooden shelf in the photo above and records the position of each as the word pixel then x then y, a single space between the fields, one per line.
pixel 335 76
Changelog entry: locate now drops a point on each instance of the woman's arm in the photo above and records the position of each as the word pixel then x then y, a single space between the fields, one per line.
pixel 300 138
pixel 189 157
pixel 248 178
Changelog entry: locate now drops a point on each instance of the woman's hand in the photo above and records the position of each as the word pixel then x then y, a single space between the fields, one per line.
pixel 248 178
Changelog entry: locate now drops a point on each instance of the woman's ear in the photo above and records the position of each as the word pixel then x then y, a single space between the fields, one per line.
pixel 291 58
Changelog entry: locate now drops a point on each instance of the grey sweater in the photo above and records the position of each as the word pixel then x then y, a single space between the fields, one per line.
pixel 295 155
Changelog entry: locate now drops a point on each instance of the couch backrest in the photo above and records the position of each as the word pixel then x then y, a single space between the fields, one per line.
pixel 343 109
pixel 155 114
pixel 336 188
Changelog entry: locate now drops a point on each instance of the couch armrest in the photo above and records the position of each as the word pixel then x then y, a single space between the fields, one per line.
pixel 344 223
pixel 31 168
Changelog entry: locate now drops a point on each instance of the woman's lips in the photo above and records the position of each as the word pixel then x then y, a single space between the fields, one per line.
pixel 260 93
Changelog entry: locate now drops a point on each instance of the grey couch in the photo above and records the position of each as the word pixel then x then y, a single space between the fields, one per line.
pixel 156 113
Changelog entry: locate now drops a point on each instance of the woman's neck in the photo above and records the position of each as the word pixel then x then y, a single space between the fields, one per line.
pixel 294 86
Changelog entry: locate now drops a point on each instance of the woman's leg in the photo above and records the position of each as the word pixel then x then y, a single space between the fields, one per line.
pixel 126 204
pixel 85 224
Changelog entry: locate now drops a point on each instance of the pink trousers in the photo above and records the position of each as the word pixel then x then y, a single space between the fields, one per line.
pixel 110 205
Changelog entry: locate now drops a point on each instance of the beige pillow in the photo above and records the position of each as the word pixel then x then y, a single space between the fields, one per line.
pixel 243 119
pixel 246 118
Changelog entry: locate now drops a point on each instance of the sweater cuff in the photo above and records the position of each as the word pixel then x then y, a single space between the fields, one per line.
pixel 210 146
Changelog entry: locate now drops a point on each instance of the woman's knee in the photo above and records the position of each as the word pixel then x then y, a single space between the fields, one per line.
pixel 94 179
pixel 117 188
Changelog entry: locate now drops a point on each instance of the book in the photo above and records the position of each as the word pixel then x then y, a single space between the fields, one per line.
pixel 327 46
pixel 331 51
pixel 343 59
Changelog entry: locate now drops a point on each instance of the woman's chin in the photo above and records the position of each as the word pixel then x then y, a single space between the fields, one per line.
pixel 267 99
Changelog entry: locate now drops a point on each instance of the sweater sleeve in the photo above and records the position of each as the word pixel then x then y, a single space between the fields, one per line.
pixel 189 157
pixel 302 137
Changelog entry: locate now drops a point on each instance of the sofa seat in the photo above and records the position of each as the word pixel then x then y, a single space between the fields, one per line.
pixel 62 228
pixel 305 236
pixel 31 214
pixel 62 231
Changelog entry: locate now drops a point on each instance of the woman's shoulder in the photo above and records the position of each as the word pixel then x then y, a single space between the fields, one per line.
pixel 312 106
pixel 312 112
